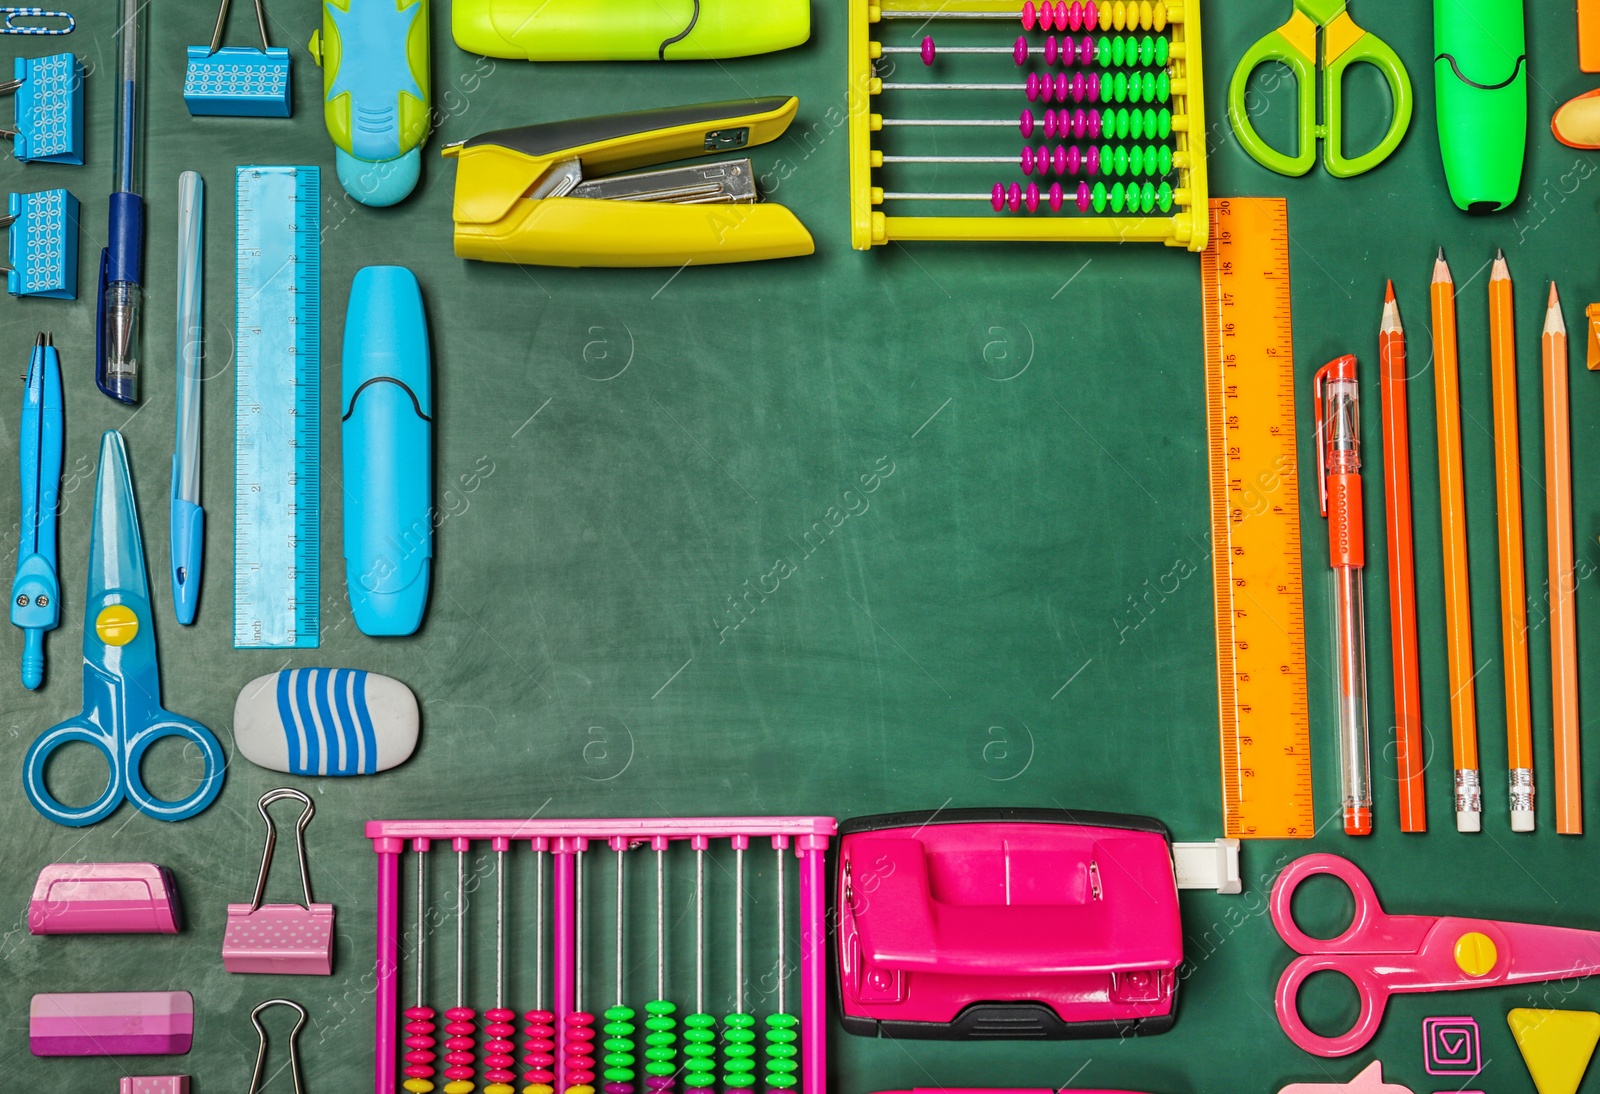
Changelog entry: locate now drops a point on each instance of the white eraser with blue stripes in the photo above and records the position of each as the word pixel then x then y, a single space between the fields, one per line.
pixel 326 722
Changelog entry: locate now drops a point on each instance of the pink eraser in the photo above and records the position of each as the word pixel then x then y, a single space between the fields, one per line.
pixel 155 1084
pixel 111 1023
pixel 103 898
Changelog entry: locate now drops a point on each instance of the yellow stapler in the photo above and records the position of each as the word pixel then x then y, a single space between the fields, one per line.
pixel 526 195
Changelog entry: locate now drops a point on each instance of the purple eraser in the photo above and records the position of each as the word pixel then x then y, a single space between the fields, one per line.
pixel 155 1084
pixel 111 1023
pixel 103 898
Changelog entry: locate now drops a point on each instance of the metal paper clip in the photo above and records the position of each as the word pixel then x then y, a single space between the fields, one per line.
pixel 294 1043
pixel 280 938
pixel 8 24
pixel 239 81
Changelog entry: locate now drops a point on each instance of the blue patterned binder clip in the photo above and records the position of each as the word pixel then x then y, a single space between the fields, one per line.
pixel 239 81
pixel 43 245
pixel 8 25
pixel 49 93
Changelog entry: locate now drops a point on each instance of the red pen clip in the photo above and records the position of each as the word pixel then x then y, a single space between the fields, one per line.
pixel 1345 463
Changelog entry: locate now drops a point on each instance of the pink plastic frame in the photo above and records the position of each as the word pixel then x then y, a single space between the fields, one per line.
pixel 808 836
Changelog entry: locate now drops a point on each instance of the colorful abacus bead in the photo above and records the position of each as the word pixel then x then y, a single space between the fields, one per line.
pixel 619 1058
pixel 419 1050
pixel 781 1032
pixel 927 50
pixel 1031 197
pixel 738 1050
pixel 497 1051
pixel 699 1035
pixel 458 1049
pixel 1025 124
pixel 538 1047
pixel 1019 50
pixel 1030 15
pixel 579 1050
pixel 660 1052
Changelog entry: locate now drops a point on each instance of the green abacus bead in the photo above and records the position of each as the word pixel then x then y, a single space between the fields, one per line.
pixel 618 1044
pixel 700 1021
pixel 1102 52
pixel 660 1006
pixel 1136 160
pixel 661 1037
pixel 1136 124
pixel 1097 197
pixel 1116 49
pixel 1147 197
pixel 1116 197
pixel 1147 85
pixel 739 1064
pixel 783 1066
pixel 1163 87
pixel 1163 127
pixel 1136 88
pixel 784 1021
pixel 1164 197
pixel 1123 115
pixel 1162 50
pixel 740 1080
pixel 1147 50
pixel 660 1070
pixel 619 1011
pixel 1119 163
pixel 698 1080
pixel 781 1051
pixel 1152 121
pixel 739 1021
pixel 1164 159
pixel 661 1023
pixel 782 1081
pixel 661 1050
pixel 1119 87
pixel 781 1036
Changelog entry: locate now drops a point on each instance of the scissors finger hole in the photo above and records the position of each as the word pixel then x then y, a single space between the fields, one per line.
pixel 1323 906
pixel 172 768
pixel 1329 1003
pixel 1271 100
pixel 1366 109
pixel 76 774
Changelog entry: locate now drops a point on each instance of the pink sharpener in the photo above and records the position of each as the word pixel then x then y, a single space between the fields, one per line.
pixel 155 1084
pixel 103 898
pixel 280 938
pixel 1007 923
pixel 111 1023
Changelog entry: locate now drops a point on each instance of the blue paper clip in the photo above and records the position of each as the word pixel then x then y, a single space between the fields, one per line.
pixel 49 94
pixel 9 26
pixel 43 245
pixel 239 81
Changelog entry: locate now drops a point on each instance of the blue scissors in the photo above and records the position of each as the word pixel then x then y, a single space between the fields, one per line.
pixel 122 712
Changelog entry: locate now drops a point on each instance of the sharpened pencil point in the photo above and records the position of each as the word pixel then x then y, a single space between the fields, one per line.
pixel 1554 299
pixel 1388 291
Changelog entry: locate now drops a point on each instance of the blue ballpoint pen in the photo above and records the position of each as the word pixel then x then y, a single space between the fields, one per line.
pixel 35 595
pixel 188 519
pixel 122 261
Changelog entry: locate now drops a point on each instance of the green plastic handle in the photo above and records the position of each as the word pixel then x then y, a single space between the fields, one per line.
pixel 1368 49
pixel 1274 46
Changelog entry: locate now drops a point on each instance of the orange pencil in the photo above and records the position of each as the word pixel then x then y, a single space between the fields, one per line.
pixel 1402 570
pixel 1453 522
pixel 1513 580
pixel 1563 581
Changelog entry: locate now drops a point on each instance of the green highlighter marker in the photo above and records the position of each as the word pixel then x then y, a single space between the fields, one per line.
pixel 1481 91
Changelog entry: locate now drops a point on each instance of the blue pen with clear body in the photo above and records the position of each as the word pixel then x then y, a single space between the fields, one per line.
pixel 36 593
pixel 188 518
pixel 122 261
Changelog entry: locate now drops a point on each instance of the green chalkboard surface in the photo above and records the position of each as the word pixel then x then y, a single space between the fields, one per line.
pixel 846 534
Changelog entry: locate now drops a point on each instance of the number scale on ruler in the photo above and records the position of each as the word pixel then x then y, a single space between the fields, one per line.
pixel 277 448
pixel 1255 522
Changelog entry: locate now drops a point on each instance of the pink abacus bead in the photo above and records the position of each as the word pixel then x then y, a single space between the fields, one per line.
pixel 1061 14
pixel 1032 200
pixel 419 1041
pixel 1092 87
pixel 1094 124
pixel 1092 160
pixel 997 197
pixel 1083 197
pixel 1026 124
pixel 1086 50
pixel 1049 50
pixel 1049 123
pixel 1055 197
pixel 1063 85
pixel 659 1084
pixel 1028 14
pixel 1069 50
pixel 1032 87
pixel 1074 161
pixel 1014 197
pixel 618 1088
pixel 1075 15
pixel 1019 50
pixel 1047 16
pixel 1058 160
pixel 927 50
pixel 1027 159
pixel 1091 14
pixel 1080 123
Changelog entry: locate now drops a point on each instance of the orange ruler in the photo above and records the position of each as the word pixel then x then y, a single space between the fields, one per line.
pixel 1255 523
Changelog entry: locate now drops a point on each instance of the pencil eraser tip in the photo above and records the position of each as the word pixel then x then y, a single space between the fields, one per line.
pixel 1468 821
pixel 1522 820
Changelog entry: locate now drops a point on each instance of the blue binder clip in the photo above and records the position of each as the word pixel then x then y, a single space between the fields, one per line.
pixel 239 81
pixel 43 245
pixel 49 94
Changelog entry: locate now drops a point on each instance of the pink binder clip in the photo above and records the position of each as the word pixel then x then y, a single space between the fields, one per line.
pixel 280 938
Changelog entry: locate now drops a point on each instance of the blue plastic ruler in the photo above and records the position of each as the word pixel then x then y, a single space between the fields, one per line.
pixel 277 526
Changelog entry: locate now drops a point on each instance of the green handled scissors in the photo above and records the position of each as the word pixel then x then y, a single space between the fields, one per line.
pixel 1343 44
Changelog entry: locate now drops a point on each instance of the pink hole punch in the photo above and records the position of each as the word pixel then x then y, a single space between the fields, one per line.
pixel 280 938
pixel 103 898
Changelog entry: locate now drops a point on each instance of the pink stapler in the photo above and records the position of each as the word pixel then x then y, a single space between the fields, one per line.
pixel 1007 923
pixel 103 898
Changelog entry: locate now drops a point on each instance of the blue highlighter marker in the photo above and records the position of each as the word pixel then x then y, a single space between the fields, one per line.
pixel 387 406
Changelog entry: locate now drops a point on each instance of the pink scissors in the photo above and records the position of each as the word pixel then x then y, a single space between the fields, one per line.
pixel 1383 955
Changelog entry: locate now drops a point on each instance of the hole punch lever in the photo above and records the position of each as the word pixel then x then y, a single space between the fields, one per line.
pixel 294 1043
